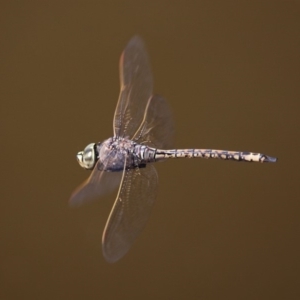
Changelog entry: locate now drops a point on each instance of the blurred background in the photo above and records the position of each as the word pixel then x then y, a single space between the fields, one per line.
pixel 219 230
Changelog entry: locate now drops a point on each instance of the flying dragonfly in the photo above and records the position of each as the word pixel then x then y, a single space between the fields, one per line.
pixel 143 133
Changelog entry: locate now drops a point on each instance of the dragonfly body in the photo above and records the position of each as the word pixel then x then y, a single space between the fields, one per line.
pixel 122 151
pixel 143 130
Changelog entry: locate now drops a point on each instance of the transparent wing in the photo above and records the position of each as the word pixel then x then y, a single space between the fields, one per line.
pixel 136 88
pixel 157 127
pixel 98 184
pixel 130 212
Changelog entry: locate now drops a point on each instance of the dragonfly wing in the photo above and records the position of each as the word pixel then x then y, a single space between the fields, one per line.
pixel 136 88
pixel 130 211
pixel 157 127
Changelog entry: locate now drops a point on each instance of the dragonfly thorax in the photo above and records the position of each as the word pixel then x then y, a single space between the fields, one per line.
pixel 114 153
pixel 87 157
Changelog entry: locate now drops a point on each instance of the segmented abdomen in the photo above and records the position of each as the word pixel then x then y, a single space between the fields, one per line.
pixel 209 153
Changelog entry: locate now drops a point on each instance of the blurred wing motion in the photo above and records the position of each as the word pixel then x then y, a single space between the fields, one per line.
pixel 98 184
pixel 146 119
pixel 136 88
pixel 157 127
pixel 130 212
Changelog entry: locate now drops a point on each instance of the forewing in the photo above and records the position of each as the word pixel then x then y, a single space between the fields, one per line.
pixel 136 88
pixel 130 212
pixel 98 184
pixel 157 127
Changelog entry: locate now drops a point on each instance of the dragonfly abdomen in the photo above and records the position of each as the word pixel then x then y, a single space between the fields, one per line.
pixel 209 153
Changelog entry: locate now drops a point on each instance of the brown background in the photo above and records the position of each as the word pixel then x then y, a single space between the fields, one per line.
pixel 219 230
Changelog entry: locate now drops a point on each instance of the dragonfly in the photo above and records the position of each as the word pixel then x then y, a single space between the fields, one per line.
pixel 143 131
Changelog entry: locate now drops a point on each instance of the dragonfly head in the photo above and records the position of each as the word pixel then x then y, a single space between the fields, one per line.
pixel 87 157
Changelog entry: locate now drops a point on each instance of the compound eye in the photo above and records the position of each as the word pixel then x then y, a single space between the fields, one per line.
pixel 89 158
